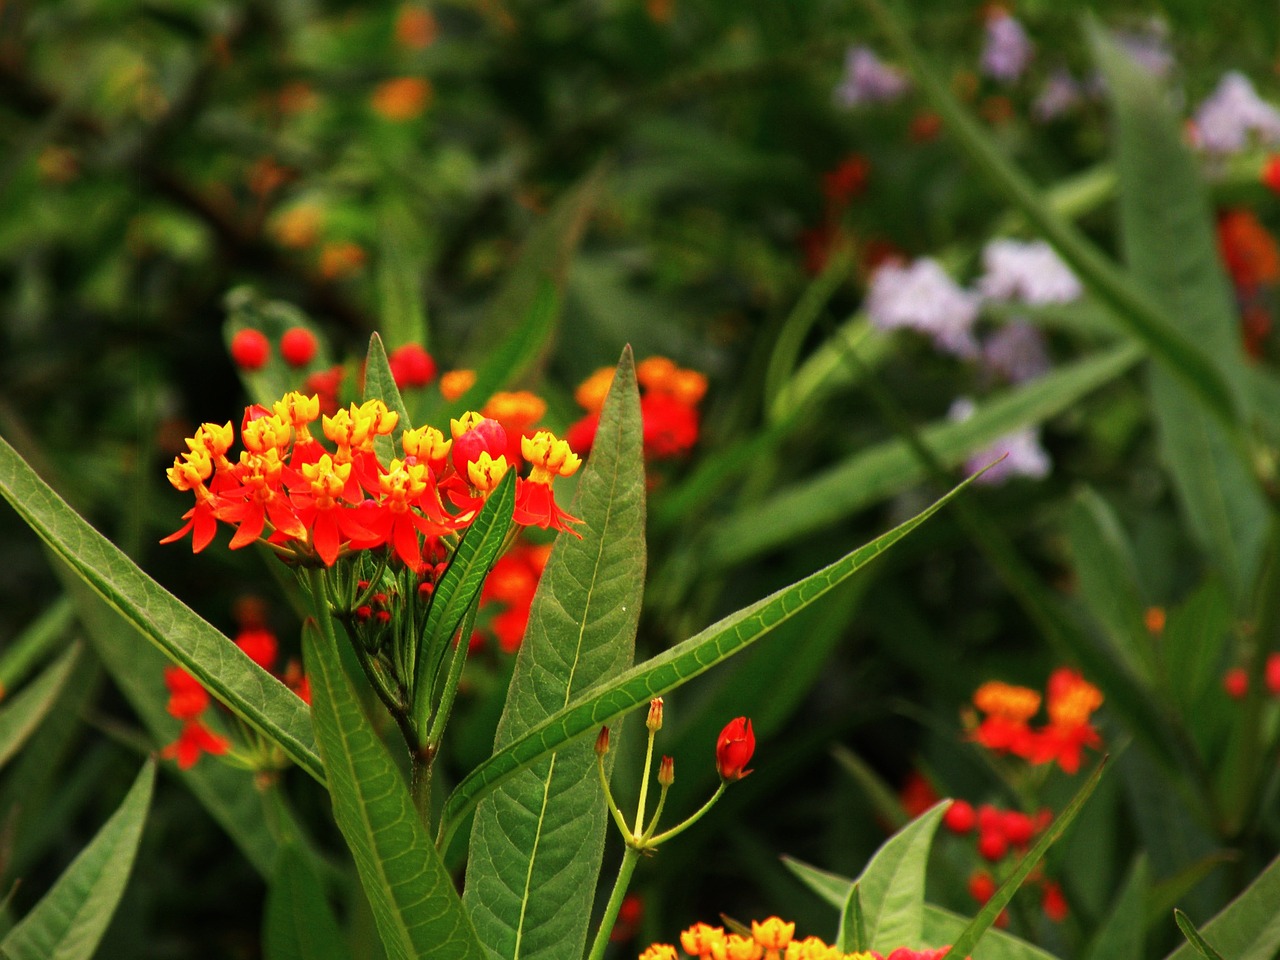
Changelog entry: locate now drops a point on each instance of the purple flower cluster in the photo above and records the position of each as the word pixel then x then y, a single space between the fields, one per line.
pixel 1030 273
pixel 1007 49
pixel 1234 113
pixel 1022 452
pixel 867 79
pixel 921 296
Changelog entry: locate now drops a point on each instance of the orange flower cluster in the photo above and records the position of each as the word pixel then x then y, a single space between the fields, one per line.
pixel 315 503
pixel 669 398
pixel 510 586
pixel 1007 711
pixel 772 939
pixel 1252 259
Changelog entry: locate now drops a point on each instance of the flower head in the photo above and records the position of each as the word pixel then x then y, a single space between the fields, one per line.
pixel 924 298
pixel 1030 273
pixel 1006 50
pixel 1232 115
pixel 867 79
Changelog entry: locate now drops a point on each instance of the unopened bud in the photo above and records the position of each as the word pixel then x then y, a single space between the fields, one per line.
pixel 667 772
pixel 602 742
pixel 654 721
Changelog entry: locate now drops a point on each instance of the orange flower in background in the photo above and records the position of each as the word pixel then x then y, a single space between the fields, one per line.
pixel 341 260
pixel 402 98
pixel 416 27
pixel 1071 703
pixel 194 740
pixel 455 383
pixel 669 399
pixel 1248 249
pixel 1007 710
pixel 298 227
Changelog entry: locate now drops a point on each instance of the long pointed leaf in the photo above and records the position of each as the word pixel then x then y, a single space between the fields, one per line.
pixel 667 671
pixel 1248 928
pixel 538 839
pixel 299 924
pixel 1194 938
pixel 381 385
pixel 225 671
pixel 892 884
pixel 416 908
pixel 1168 239
pixel 20 717
pixel 69 920
pixel 892 466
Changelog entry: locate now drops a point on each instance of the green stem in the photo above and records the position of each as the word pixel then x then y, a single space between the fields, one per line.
pixel 420 787
pixel 644 786
pixel 657 813
pixel 682 827
pixel 613 804
pixel 630 857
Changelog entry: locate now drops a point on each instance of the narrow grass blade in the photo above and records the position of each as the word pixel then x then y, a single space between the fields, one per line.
pixel 21 716
pixel 1193 937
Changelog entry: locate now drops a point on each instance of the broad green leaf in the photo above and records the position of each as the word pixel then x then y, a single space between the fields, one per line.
pixel 942 927
pixel 1192 645
pixel 250 692
pixel 69 920
pixel 416 908
pixel 1194 938
pixel 1167 234
pixel 980 924
pixel 668 670
pixel 137 669
pixel 1248 928
pixel 538 839
pixel 21 715
pixel 1135 310
pixel 1108 579
pixel 1122 935
pixel 892 884
pixel 852 934
pixel 892 466
pixel 299 924
pixel 379 384
pixel 459 589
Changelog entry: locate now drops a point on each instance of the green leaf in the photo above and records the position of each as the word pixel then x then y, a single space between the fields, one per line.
pixel 69 920
pixel 379 384
pixel 250 692
pixel 831 887
pixel 416 908
pixel 538 839
pixel 892 884
pixel 1167 234
pixel 137 669
pixel 1122 935
pixel 852 935
pixel 666 671
pixel 1248 928
pixel 980 924
pixel 892 466
pixel 1193 936
pixel 1134 309
pixel 298 924
pixel 943 927
pixel 21 716
pixel 1108 579
pixel 459 590
pixel 884 801
pixel 402 317
pixel 31 646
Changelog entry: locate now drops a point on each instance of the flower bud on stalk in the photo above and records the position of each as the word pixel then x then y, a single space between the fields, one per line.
pixel 602 742
pixel 654 720
pixel 734 749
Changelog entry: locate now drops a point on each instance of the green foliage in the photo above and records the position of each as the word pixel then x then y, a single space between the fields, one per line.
pixel 21 716
pixel 68 922
pixel 298 924
pixel 537 839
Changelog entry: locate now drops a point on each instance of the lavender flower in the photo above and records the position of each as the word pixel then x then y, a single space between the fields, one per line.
pixel 922 297
pixel 1007 50
pixel 1059 95
pixel 1030 273
pixel 1232 113
pixel 1016 352
pixel 867 79
pixel 1025 457
pixel 1149 48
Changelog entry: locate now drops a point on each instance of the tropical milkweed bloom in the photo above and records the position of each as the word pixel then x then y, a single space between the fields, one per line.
pixel 1007 710
pixel 770 939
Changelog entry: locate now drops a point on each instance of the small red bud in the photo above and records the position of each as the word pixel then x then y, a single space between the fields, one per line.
pixel 734 749
pixel 250 349
pixel 1236 683
pixel 298 346
pixel 960 817
pixel 654 720
pixel 667 772
pixel 602 742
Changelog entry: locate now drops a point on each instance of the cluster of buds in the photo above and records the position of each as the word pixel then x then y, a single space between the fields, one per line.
pixel 771 939
pixel 1007 711
pixel 669 399
pixel 1236 680
pixel 313 504
pixel 251 350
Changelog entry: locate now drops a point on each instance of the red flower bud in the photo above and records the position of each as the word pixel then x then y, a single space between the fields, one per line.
pixel 960 817
pixel 602 742
pixel 411 366
pixel 734 749
pixel 298 346
pixel 250 349
pixel 654 720
pixel 487 436
pixel 667 772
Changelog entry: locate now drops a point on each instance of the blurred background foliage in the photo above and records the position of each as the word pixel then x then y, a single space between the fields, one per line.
pixel 685 176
